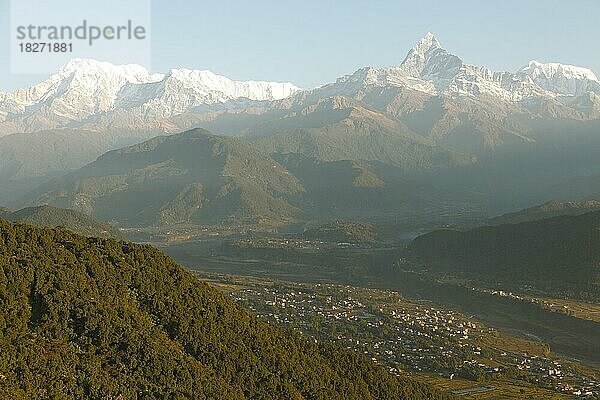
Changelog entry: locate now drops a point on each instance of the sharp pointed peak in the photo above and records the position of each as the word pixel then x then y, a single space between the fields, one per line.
pixel 429 36
pixel 428 42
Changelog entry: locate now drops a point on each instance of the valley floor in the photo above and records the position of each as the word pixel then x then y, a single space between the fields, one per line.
pixel 477 342
pixel 422 339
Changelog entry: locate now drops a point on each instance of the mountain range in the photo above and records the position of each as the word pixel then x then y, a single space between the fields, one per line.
pixel 433 119
pixel 86 93
pixel 200 178
pixel 89 93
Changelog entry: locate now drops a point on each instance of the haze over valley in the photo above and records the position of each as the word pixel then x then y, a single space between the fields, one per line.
pixel 455 130
pixel 424 230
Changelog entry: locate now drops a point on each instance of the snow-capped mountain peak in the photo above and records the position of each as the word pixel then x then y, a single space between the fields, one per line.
pixel 432 70
pixel 88 67
pixel 551 69
pixel 427 43
pixel 562 79
pixel 429 61
pixel 253 90
pixel 84 90
pixel 87 92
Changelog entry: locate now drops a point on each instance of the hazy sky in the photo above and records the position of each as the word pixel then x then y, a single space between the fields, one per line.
pixel 311 42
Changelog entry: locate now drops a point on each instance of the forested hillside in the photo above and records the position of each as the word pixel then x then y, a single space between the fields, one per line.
pixel 100 319
pixel 547 210
pixel 560 255
pixel 342 231
pixel 50 217
pixel 198 178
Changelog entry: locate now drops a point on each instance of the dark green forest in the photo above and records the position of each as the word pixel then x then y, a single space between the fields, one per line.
pixel 342 231
pixel 105 319
pixel 560 255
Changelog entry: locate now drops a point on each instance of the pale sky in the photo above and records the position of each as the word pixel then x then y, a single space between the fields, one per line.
pixel 312 42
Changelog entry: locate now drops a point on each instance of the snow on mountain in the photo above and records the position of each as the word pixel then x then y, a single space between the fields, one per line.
pixel 182 89
pixel 432 70
pixel 84 86
pixel 87 92
pixel 561 78
pixel 430 62
pixel 349 85
pixel 450 75
pixel 84 89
